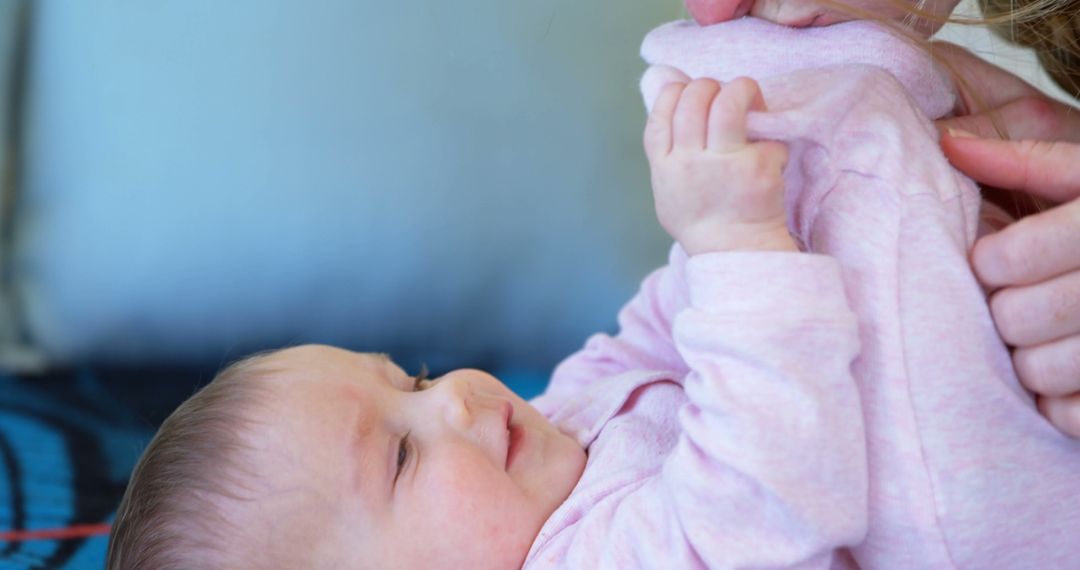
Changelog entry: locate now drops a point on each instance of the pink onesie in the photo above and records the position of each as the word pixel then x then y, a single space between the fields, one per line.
pixel 849 407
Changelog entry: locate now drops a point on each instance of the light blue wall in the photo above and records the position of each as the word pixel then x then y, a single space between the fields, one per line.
pixel 462 181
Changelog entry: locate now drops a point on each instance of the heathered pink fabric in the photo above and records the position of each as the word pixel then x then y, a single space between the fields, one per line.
pixel 722 423
pixel 744 416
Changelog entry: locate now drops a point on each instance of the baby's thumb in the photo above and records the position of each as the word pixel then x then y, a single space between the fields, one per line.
pixel 654 80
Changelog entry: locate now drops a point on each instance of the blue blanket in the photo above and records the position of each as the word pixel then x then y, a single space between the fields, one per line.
pixel 67 444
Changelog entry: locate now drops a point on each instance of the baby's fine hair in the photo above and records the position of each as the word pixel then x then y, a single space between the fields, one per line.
pixel 171 514
pixel 1051 28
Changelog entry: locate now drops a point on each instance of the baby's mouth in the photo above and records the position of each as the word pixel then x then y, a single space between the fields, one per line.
pixel 513 432
pixel 513 446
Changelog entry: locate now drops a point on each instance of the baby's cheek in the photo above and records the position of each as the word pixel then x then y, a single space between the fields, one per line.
pixel 480 509
pixel 455 486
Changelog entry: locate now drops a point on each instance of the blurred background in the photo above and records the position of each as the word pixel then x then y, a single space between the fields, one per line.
pixel 459 183
pixel 183 183
pixel 453 183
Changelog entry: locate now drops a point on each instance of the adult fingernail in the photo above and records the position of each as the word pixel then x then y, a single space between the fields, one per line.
pixel 959 133
pixel 986 261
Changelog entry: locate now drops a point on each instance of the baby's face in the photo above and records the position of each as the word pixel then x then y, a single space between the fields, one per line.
pixel 363 471
pixel 803 13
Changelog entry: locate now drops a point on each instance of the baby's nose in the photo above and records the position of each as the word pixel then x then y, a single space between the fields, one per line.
pixel 708 12
pixel 453 399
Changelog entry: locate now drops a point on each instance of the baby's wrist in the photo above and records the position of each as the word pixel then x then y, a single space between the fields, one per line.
pixel 773 237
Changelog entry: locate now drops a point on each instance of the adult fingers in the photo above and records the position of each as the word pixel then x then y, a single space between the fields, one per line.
pixel 727 116
pixel 1063 412
pixel 980 125
pixel 658 126
pixel 1035 314
pixel 1031 117
pixel 1044 168
pixel 981 84
pixel 1050 369
pixel 692 114
pixel 1031 250
pixel 708 12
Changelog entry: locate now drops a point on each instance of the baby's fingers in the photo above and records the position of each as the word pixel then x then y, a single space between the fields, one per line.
pixel 692 114
pixel 727 117
pixel 658 126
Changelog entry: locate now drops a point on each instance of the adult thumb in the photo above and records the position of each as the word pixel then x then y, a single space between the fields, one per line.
pixel 1031 117
pixel 979 125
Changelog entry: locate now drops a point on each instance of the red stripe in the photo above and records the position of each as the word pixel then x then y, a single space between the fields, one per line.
pixel 76 531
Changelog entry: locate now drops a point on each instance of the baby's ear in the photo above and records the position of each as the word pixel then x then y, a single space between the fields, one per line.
pixel 654 80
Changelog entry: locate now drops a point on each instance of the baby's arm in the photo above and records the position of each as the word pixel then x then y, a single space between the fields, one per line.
pixel 770 468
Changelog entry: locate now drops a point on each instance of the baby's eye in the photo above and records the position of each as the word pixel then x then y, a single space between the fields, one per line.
pixel 402 456
pixel 418 380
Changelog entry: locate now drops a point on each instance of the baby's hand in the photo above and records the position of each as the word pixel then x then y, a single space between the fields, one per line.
pixel 714 190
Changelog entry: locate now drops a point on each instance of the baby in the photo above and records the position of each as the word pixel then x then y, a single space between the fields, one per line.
pixel 316 457
pixel 765 403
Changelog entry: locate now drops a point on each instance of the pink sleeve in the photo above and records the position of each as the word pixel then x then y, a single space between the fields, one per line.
pixel 771 468
pixel 643 342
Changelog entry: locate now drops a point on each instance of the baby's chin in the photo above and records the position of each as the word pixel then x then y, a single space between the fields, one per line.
pixel 562 469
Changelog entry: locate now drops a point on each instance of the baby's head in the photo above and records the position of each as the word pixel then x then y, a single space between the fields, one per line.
pixel 316 457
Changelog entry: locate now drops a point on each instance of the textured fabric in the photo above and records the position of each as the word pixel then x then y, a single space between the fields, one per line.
pixel 67 443
pixel 726 429
pixel 721 427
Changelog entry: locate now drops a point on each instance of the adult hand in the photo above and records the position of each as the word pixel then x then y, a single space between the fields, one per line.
pixel 1034 263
